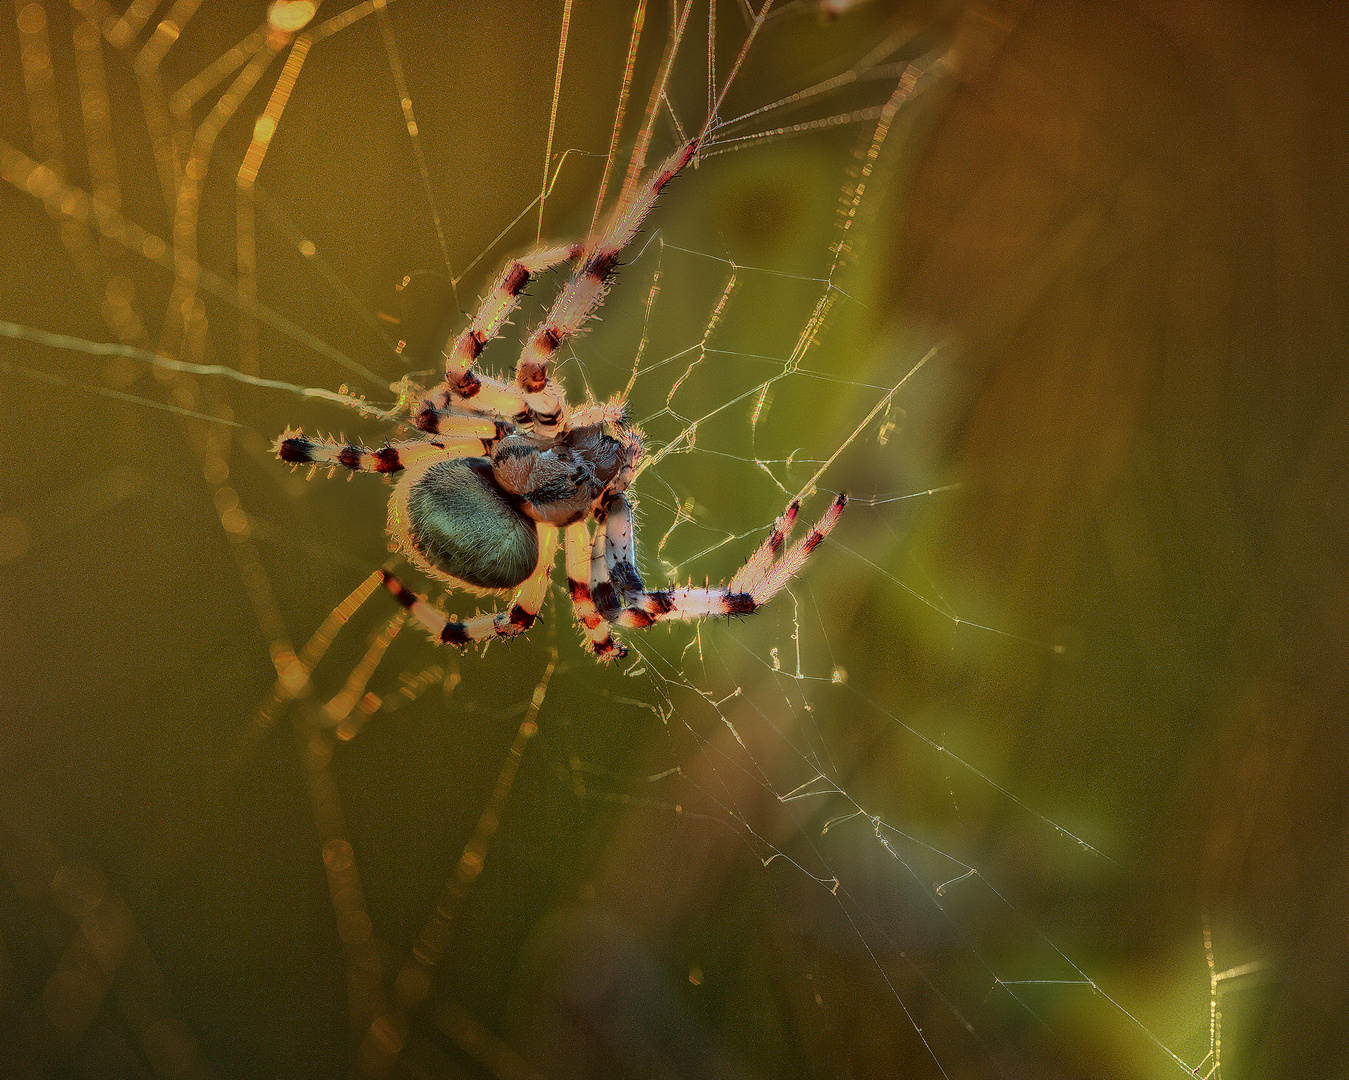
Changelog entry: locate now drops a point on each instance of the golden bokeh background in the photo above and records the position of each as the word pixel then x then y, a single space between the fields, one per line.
pixel 1122 225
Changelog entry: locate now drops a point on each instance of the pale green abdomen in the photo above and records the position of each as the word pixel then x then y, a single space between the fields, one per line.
pixel 465 526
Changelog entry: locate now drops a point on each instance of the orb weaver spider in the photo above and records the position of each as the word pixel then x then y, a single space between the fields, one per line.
pixel 501 468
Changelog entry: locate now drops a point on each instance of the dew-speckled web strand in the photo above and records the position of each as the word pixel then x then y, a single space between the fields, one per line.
pixel 62 201
pixel 166 363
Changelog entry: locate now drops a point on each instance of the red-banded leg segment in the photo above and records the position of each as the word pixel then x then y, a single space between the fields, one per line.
pixel 599 638
pixel 299 449
pixel 484 395
pixel 582 294
pixel 615 549
pixel 462 384
pixel 436 415
pixel 762 577
pixel 495 307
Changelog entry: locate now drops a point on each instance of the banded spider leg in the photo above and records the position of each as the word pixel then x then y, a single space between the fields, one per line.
pixel 620 597
pixel 535 398
pixel 614 594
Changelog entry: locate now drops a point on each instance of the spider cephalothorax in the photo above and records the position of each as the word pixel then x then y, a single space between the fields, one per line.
pixel 501 468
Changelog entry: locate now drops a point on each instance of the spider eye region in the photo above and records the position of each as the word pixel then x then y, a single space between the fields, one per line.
pixel 460 522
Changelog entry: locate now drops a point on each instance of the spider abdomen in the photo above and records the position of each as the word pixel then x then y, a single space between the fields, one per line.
pixel 456 518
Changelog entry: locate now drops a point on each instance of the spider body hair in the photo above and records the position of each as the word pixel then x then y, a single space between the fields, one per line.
pixel 454 522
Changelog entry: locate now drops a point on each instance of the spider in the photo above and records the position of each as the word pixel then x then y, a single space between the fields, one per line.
pixel 501 468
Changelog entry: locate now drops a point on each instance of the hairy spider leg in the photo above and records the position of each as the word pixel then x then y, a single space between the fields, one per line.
pixel 758 564
pixel 535 398
pixel 485 396
pixel 615 584
pixel 494 307
pixel 437 415
pixel 463 385
pixel 516 619
pixel 765 579
pixel 614 538
pixel 601 412
pixel 298 449
pixel 599 638
pixel 584 292
pixel 761 578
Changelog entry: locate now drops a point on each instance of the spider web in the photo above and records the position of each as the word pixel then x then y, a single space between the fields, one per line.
pixel 818 841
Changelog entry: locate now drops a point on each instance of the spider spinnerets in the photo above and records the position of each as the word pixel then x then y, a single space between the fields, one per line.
pixel 501 468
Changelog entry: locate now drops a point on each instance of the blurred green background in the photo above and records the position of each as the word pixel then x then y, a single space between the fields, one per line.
pixel 1123 227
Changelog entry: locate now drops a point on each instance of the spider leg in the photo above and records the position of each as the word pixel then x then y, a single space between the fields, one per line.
pixel 599 639
pixel 534 397
pixel 762 577
pixel 516 619
pixel 614 413
pixel 583 293
pixel 614 581
pixel 480 394
pixel 615 541
pixel 464 387
pixel 441 414
pixel 495 307
pixel 298 449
